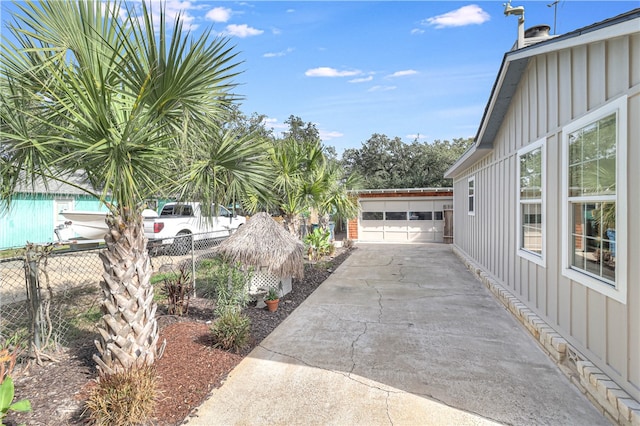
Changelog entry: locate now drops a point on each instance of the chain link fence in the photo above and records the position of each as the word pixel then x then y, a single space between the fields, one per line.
pixel 50 297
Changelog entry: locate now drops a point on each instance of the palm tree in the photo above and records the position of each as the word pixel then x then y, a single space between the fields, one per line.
pixel 224 166
pixel 92 86
pixel 335 200
pixel 296 181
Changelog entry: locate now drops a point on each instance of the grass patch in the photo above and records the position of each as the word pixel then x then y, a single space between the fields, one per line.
pixel 160 277
pixel 87 319
pixel 124 398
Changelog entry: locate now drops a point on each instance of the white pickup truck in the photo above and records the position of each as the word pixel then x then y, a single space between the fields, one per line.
pixel 180 224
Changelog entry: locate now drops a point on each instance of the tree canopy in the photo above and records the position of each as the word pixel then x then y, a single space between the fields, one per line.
pixel 390 163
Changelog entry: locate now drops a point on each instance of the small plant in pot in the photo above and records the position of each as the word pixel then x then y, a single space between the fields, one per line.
pixel 272 299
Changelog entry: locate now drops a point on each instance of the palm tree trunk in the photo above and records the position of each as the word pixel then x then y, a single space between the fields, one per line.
pixel 292 224
pixel 323 221
pixel 128 330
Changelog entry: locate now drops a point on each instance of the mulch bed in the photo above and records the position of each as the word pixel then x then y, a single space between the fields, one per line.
pixel 188 370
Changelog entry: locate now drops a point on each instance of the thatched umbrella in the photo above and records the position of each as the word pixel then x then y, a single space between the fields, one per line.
pixel 264 244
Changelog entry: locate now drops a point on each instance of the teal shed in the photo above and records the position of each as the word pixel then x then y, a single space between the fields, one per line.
pixel 35 211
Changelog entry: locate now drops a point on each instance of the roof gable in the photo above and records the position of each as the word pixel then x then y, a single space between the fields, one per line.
pixel 514 64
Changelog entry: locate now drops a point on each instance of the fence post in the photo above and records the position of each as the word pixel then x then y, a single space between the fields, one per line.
pixel 33 295
pixel 193 265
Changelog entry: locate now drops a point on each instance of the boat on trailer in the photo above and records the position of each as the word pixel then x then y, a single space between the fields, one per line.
pixel 90 225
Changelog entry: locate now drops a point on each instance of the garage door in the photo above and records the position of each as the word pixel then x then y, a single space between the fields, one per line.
pixel 402 220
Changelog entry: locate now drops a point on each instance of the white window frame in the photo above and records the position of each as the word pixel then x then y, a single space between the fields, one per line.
pixel 619 290
pixel 539 259
pixel 472 212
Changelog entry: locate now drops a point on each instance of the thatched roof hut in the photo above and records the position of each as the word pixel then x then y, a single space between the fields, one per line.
pixel 265 244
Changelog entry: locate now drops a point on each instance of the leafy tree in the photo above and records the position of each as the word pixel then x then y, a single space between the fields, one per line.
pixel 89 86
pixel 377 161
pixel 390 163
pixel 303 133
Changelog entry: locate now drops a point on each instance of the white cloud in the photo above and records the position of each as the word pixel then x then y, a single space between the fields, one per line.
pixel 466 15
pixel 171 9
pixel 417 31
pixel 242 30
pixel 361 80
pixel 382 88
pixel 290 10
pixel 219 14
pixel 278 54
pixel 330 72
pixel 403 73
pixel 277 127
pixel 327 136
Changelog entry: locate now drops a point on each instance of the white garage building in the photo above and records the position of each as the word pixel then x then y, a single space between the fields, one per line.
pixel 402 215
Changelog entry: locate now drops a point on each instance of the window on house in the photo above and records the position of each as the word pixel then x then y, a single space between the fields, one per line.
pixel 396 216
pixel 438 216
pixel 595 233
pixel 419 215
pixel 372 215
pixel 472 194
pixel 531 192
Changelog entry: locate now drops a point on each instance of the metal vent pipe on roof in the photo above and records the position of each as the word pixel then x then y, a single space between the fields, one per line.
pixel 541 31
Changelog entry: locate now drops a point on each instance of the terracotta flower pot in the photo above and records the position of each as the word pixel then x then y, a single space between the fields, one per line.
pixel 272 305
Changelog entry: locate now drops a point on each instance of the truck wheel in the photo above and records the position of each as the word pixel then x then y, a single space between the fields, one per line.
pixel 182 243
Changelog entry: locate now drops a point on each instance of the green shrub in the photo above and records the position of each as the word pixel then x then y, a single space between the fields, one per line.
pixel 231 288
pixel 231 331
pixel 124 398
pixel 318 244
pixel 6 398
pixel 177 290
pixel 7 362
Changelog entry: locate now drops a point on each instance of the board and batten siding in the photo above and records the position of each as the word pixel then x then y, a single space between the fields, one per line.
pixel 557 88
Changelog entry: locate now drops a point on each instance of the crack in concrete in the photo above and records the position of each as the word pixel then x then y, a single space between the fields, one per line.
pixel 353 347
pixel 387 408
pixel 380 306
pixel 363 265
pixel 341 373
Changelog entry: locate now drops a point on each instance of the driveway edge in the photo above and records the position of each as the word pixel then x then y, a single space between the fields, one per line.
pixel 613 402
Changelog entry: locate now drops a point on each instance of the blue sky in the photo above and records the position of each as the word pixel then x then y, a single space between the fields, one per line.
pixel 353 68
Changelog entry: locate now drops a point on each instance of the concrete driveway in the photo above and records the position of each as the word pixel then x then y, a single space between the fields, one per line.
pixel 398 335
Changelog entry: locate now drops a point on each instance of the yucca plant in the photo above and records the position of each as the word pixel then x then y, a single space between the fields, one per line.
pixel 231 331
pixel 177 290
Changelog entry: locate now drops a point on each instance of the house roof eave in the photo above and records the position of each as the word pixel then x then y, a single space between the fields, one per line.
pixel 513 66
pixel 472 155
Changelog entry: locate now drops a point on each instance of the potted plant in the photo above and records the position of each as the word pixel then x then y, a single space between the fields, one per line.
pixel 272 299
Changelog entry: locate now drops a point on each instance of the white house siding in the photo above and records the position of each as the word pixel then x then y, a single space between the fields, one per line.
pixel 557 88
